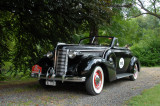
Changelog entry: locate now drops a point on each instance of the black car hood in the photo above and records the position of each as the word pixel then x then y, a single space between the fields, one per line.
pixel 84 47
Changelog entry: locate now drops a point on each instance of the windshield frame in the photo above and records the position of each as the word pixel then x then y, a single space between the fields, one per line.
pixel 93 37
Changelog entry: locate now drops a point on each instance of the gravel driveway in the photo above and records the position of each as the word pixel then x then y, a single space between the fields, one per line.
pixel 114 93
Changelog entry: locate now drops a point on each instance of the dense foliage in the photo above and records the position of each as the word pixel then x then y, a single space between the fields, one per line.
pixel 148 51
pixel 148 48
pixel 30 28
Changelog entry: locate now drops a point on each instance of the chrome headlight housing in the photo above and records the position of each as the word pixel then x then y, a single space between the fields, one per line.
pixel 50 54
pixel 72 54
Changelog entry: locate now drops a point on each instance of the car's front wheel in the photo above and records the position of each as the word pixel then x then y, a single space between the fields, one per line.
pixel 42 82
pixel 95 82
pixel 135 73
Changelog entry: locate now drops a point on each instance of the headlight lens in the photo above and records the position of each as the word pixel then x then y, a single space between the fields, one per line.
pixel 72 54
pixel 50 54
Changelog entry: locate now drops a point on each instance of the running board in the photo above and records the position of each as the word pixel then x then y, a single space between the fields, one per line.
pixel 123 75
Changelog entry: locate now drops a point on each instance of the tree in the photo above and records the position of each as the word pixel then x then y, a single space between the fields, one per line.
pixel 6 30
pixel 34 25
pixel 102 12
pixel 152 7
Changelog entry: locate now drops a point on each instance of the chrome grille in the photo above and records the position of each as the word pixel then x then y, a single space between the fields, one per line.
pixel 62 62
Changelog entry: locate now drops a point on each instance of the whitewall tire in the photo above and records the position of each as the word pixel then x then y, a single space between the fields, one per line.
pixel 95 82
pixel 135 73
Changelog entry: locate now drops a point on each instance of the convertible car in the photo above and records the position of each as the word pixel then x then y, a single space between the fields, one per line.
pixel 93 61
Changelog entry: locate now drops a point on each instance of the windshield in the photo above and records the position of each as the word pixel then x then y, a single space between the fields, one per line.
pixel 97 40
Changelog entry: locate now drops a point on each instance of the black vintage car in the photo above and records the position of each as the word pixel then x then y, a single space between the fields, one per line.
pixel 93 61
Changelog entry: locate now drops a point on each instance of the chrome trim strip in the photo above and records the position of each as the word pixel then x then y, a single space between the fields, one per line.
pixel 90 50
pixel 104 53
pixel 55 57
pixel 93 46
pixel 66 64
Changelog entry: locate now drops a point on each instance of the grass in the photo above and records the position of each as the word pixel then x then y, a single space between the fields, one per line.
pixel 149 97
pixel 16 82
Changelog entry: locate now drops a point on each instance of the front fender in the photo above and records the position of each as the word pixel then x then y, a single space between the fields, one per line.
pixel 85 67
pixel 86 64
pixel 45 63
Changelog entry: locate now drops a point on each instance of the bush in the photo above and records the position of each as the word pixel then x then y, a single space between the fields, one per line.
pixel 2 77
pixel 148 51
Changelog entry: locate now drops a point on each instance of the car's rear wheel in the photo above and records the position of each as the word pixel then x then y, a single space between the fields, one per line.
pixel 95 82
pixel 135 73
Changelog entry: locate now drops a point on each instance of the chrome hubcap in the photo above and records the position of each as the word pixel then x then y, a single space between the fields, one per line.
pixel 98 80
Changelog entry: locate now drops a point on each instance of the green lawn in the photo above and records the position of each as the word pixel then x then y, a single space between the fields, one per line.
pixel 16 82
pixel 149 97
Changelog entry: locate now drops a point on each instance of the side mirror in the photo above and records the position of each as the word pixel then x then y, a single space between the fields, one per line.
pixel 117 44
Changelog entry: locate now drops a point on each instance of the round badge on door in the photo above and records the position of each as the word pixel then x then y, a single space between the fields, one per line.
pixel 121 63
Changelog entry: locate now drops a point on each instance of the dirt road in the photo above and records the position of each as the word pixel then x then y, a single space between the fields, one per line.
pixel 114 93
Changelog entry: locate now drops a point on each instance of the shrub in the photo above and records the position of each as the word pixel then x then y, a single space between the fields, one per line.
pixel 2 77
pixel 148 51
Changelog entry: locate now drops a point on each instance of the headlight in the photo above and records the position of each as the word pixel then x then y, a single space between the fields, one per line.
pixel 50 54
pixel 72 54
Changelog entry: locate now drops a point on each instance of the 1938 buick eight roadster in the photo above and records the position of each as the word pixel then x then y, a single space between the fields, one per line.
pixel 91 61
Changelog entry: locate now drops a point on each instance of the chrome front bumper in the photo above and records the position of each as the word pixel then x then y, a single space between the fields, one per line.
pixel 69 79
pixel 66 78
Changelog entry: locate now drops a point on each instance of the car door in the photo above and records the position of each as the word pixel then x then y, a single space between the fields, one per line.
pixel 123 56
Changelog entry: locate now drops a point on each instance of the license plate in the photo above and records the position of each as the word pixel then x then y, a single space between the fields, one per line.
pixel 36 69
pixel 52 83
